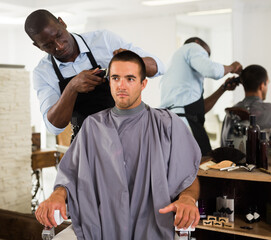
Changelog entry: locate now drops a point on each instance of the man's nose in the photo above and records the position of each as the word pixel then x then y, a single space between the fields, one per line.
pixel 122 84
pixel 59 44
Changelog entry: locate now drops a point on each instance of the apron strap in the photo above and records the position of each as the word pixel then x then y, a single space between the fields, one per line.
pixel 90 57
pixel 89 54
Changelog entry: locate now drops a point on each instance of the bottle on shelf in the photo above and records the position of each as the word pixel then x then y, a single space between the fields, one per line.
pixel 202 209
pixel 252 144
pixel 263 151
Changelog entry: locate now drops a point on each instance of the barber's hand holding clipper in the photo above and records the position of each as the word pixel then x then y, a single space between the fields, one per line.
pixel 231 83
pixel 86 81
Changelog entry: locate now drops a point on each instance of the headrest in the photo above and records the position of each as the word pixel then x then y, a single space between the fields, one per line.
pixel 228 153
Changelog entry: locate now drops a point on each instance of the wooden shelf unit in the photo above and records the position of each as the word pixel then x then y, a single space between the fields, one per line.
pixel 261 230
pixel 239 174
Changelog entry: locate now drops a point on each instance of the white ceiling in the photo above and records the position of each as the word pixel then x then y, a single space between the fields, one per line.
pixel 15 11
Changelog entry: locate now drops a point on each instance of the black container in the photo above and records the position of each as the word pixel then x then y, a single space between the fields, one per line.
pixel 252 144
pixel 263 151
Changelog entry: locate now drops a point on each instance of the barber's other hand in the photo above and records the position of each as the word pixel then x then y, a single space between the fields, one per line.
pixel 119 50
pixel 186 212
pixel 45 211
pixel 236 67
pixel 86 81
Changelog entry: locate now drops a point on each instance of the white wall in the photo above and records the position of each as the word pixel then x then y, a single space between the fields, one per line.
pixel 155 35
pixel 17 48
pixel 248 35
pixel 251 36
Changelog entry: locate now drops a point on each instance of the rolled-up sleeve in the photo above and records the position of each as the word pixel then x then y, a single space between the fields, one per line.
pixel 197 57
pixel 47 96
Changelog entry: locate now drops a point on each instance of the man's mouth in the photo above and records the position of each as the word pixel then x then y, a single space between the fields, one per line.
pixel 122 94
pixel 61 53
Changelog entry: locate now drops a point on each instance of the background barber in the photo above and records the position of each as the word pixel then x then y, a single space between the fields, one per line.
pixel 182 86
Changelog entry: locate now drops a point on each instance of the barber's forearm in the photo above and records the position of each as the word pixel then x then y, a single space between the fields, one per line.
pixel 210 101
pixel 192 192
pixel 60 114
pixel 151 66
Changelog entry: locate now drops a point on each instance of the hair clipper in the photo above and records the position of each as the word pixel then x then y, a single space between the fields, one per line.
pixel 236 80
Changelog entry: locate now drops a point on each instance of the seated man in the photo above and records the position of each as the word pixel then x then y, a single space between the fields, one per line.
pixel 255 81
pixel 129 168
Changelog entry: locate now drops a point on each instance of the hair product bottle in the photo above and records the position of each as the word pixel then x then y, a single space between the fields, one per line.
pixel 252 144
pixel 263 151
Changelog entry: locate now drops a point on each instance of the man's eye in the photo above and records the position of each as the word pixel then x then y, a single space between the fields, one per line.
pixel 131 79
pixel 114 78
pixel 59 35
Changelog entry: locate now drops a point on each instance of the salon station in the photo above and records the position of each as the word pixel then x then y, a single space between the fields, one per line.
pixel 233 107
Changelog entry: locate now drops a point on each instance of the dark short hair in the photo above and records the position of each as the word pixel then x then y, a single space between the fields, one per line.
pixel 253 76
pixel 129 56
pixel 201 43
pixel 37 21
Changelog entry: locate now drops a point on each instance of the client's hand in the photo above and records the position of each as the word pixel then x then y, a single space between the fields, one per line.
pixel 45 211
pixel 186 211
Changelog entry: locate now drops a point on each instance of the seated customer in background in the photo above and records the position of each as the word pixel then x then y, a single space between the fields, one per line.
pixel 129 168
pixel 255 81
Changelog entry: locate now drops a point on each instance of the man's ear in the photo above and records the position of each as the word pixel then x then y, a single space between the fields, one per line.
pixel 62 22
pixel 262 85
pixel 144 83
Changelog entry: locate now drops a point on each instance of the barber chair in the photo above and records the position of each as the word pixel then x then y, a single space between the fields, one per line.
pixel 63 141
pixel 181 234
pixel 234 128
pixel 41 159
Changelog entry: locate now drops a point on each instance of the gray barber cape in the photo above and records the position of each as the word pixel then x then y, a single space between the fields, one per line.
pixel 122 167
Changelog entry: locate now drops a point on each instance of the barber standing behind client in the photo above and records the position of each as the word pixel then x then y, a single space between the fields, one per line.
pixel 182 86
pixel 66 79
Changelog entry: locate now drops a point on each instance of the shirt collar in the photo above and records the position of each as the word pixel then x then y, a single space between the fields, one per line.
pixel 82 48
pixel 123 112
pixel 253 98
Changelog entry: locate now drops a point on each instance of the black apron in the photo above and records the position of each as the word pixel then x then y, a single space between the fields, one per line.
pixel 86 103
pixel 195 115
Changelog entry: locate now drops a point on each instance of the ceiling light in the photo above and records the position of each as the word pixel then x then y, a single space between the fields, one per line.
pixel 166 2
pixel 210 12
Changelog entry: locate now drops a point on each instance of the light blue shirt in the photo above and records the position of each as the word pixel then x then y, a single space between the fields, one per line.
pixel 102 44
pixel 182 83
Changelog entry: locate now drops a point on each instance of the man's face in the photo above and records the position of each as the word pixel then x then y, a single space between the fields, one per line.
pixel 57 41
pixel 125 84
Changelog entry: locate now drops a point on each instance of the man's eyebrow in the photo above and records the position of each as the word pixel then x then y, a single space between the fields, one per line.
pixel 114 75
pixel 130 76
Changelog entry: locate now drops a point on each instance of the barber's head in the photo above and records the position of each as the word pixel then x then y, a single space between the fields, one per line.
pixel 200 42
pixel 127 76
pixel 255 79
pixel 50 35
